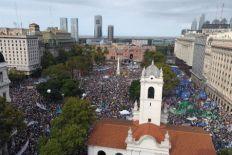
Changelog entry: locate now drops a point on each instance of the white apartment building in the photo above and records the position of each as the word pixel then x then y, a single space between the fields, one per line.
pixel 218 69
pixel 184 48
pixel 198 59
pixel 20 51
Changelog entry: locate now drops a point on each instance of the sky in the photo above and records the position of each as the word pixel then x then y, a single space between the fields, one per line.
pixel 129 17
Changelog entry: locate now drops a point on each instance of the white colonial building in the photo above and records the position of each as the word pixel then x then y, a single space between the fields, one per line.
pixel 147 134
pixel 4 80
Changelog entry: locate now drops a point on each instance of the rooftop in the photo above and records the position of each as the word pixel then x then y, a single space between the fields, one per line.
pixel 184 140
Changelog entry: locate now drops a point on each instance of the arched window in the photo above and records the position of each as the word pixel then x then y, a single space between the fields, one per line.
pixel 118 154
pixel 101 153
pixel 151 92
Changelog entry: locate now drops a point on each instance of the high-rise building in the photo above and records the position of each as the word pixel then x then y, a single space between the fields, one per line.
pixel 194 25
pixel 110 32
pixel 201 21
pixel 74 28
pixel 231 23
pixel 98 26
pixel 64 24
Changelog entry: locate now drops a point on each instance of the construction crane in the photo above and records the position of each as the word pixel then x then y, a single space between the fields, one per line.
pixel 223 5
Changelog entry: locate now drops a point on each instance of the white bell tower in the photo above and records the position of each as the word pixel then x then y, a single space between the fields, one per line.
pixel 151 95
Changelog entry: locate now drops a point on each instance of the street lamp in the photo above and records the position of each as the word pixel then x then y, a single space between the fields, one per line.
pixel 49 91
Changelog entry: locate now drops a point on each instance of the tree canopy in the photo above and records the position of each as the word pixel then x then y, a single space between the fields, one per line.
pixel 134 90
pixel 11 119
pixel 69 131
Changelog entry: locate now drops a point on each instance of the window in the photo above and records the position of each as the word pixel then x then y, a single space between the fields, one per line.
pixel 4 94
pixel 118 154
pixel 151 92
pixel 1 77
pixel 101 153
pixel 149 120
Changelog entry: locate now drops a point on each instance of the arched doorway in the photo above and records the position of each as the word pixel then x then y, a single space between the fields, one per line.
pixel 101 153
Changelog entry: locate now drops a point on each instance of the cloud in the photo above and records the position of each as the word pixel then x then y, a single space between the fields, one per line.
pixel 130 17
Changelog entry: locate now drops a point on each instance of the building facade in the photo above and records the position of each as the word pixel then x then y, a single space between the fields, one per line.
pixel 4 80
pixel 219 72
pixel 74 29
pixel 98 26
pixel 111 33
pixel 64 24
pixel 55 39
pixel 127 52
pixel 210 29
pixel 21 51
pixel 184 48
pixel 198 59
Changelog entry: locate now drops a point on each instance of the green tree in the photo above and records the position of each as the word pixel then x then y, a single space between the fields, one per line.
pixel 83 64
pixel 54 85
pixel 170 79
pixel 99 56
pixel 71 88
pixel 158 57
pixel 58 71
pixel 47 60
pixel 134 90
pixel 16 76
pixel 62 56
pixel 227 151
pixel 69 131
pixel 10 119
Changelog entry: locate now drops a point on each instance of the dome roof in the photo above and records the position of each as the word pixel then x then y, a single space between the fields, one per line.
pixel 1 58
pixel 149 129
pixel 152 70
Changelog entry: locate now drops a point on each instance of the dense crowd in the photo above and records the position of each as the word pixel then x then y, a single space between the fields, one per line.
pixel 205 113
pixel 109 93
pixel 37 117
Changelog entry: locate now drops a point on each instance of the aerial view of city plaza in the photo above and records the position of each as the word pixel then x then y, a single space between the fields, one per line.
pixel 89 88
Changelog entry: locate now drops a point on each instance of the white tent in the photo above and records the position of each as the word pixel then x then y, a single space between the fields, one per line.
pixel 191 118
pixel 124 112
pixel 98 110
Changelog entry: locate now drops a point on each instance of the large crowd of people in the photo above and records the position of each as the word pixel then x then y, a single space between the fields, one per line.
pixel 37 117
pixel 199 111
pixel 109 93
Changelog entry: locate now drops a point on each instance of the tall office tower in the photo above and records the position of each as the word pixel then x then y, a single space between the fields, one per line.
pixel 98 26
pixel 110 32
pixel 230 22
pixel 194 25
pixel 64 24
pixel 74 28
pixel 201 21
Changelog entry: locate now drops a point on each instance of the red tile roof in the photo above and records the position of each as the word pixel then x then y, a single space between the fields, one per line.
pixel 184 140
pixel 148 129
